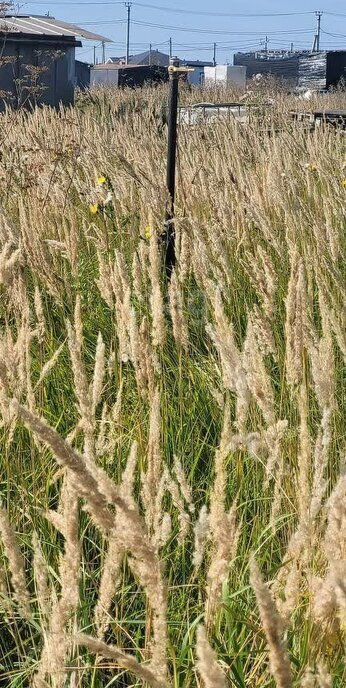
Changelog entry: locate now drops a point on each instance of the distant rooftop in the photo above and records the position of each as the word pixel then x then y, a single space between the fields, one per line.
pixel 119 65
pixel 154 57
pixel 45 26
pixel 197 63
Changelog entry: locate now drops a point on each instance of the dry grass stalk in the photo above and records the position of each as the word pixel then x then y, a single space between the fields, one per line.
pixel 184 486
pixel 39 310
pixel 223 530
pixel 122 659
pixel 130 529
pixel 263 331
pixel 57 639
pixel 233 373
pixel 153 473
pixel 110 580
pixel 156 299
pixel 304 456
pixel 183 515
pixel 258 379
pixel 264 278
pixel 324 679
pixel 99 373
pixel 180 331
pixel 75 343
pixel 16 564
pixel 111 571
pixel 122 294
pixel 330 596
pixel 40 569
pixel 201 532
pixel 296 327
pixel 9 260
pixel 207 664
pixel 98 493
pixel 49 365
pixel 104 281
pixel 273 628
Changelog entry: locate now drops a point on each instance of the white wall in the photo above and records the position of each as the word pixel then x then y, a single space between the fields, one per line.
pixel 226 75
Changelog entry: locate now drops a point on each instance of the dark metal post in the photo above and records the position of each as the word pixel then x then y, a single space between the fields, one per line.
pixel 214 55
pixel 169 235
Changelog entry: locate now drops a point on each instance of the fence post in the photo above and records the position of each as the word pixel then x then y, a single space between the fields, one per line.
pixel 169 233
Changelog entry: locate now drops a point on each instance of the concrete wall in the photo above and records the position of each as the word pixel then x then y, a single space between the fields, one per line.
pixel 19 85
pixel 226 75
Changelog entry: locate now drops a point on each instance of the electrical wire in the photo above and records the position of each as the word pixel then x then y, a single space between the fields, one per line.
pixel 335 35
pixel 334 14
pixel 176 10
pixel 220 14
pixel 217 31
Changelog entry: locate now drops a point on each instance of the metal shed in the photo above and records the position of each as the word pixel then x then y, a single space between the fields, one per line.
pixel 304 70
pixel 127 75
pixel 37 62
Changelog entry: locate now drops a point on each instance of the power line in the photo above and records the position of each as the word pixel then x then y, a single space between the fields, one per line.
pixel 335 35
pixel 217 31
pixel 177 10
pixel 94 23
pixel 109 22
pixel 219 14
pixel 334 14
pixel 171 9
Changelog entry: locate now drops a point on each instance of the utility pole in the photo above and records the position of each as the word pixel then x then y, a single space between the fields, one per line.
pixel 150 54
pixel 128 7
pixel 318 33
pixel 291 47
pixel 94 54
pixel 214 55
pixel 266 45
pixel 170 48
pixel 103 52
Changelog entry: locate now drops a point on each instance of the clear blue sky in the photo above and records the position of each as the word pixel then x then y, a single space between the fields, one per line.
pixel 195 25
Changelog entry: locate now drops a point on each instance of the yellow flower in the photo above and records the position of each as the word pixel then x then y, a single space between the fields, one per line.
pixel 101 180
pixel 147 232
pixel 343 183
pixel 94 208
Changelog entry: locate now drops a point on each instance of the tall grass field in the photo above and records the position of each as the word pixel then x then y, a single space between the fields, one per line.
pixel 172 449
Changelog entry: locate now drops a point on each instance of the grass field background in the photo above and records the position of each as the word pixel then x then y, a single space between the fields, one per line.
pixel 205 416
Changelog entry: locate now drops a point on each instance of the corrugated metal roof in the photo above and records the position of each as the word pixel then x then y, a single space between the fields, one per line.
pixel 154 57
pixel 47 26
pixel 109 66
